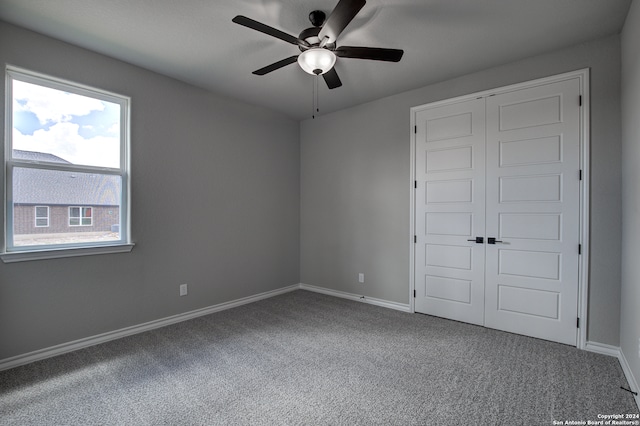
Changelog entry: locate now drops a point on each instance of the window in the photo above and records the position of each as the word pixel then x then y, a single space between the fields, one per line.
pixel 80 216
pixel 66 157
pixel 42 216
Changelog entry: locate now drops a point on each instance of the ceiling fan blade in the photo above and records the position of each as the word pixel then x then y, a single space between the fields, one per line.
pixel 342 14
pixel 276 65
pixel 332 79
pixel 259 26
pixel 373 53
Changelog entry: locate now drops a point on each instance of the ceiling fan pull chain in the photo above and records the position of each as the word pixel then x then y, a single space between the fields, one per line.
pixel 317 94
pixel 313 98
pixel 314 107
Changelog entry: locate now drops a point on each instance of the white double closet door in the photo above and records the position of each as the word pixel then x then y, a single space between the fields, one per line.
pixel 497 208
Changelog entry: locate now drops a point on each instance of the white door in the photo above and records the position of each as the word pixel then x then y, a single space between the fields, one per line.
pixel 450 173
pixel 533 187
pixel 505 168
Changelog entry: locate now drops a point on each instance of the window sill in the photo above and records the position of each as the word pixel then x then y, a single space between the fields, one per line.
pixel 23 256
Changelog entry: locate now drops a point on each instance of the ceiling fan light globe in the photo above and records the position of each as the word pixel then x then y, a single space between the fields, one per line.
pixel 317 60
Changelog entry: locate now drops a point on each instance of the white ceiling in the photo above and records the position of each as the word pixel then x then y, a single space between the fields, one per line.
pixel 195 40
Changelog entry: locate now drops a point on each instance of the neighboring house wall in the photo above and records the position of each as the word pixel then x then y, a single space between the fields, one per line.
pixel 24 220
pixel 60 190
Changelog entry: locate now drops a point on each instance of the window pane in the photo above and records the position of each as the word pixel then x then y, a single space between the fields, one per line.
pixel 42 211
pixel 55 126
pixel 42 216
pixel 83 207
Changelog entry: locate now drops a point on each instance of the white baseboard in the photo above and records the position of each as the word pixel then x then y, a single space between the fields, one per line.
pixel 359 298
pixel 63 348
pixel 41 354
pixel 75 345
pixel 601 348
pixel 633 384
pixel 615 351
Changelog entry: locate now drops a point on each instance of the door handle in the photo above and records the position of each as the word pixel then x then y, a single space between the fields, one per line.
pixel 492 240
pixel 478 240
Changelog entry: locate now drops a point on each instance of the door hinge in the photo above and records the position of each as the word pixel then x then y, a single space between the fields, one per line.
pixel 580 174
pixel 578 323
pixel 579 248
pixel 415 183
pixel 415 239
pixel 415 129
pixel 580 100
pixel 414 293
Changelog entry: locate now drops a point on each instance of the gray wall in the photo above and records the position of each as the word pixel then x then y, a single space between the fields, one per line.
pixel 355 183
pixel 230 170
pixel 241 183
pixel 630 314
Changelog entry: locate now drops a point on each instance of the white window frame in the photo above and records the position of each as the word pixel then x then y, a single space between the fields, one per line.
pixel 11 253
pixel 35 213
pixel 82 216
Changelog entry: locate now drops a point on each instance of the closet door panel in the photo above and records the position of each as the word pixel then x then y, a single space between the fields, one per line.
pixel 532 206
pixel 449 269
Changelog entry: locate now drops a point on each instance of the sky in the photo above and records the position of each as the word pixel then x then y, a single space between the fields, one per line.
pixel 79 129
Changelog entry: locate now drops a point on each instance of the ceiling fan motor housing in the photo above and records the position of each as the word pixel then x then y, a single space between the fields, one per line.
pixel 317 18
pixel 310 35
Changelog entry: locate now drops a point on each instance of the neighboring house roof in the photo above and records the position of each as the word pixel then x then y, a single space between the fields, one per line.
pixel 37 156
pixel 50 187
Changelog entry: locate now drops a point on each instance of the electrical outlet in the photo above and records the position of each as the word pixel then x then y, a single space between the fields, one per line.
pixel 361 277
pixel 183 290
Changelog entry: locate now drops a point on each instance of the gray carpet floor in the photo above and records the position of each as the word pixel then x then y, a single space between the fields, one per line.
pixel 309 359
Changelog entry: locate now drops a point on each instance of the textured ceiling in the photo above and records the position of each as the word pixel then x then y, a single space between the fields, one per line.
pixel 196 42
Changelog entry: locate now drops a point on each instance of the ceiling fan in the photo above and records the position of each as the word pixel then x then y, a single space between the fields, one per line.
pixel 318 43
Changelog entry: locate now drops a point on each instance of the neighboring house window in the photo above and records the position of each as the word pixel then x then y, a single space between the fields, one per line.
pixel 42 216
pixel 66 155
pixel 80 216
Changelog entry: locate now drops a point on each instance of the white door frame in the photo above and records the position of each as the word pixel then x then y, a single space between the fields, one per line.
pixel 583 259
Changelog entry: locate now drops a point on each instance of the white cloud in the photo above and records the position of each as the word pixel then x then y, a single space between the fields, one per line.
pixel 63 140
pixel 114 129
pixel 51 105
pixel 57 109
